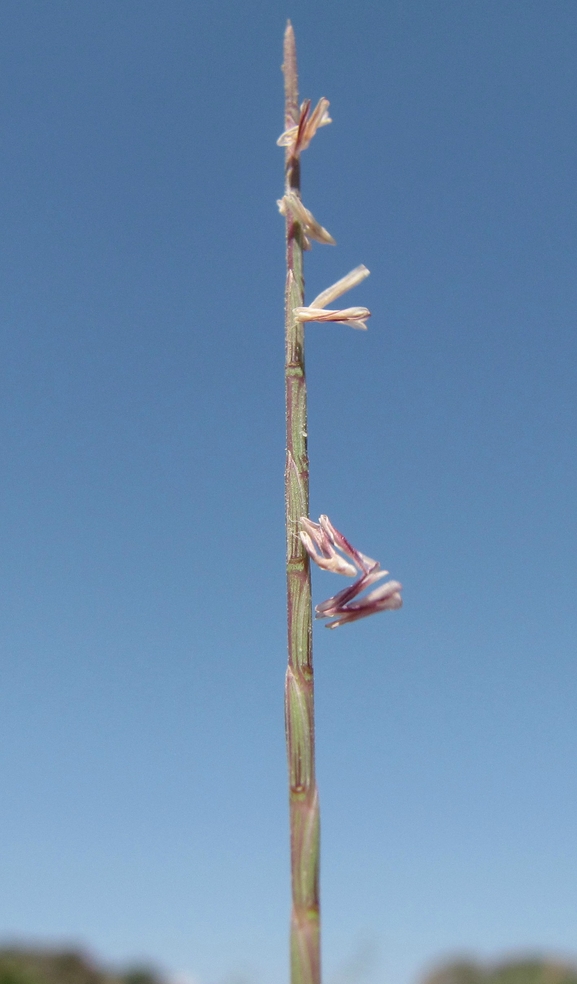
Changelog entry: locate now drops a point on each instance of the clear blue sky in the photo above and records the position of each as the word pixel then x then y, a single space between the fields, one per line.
pixel 142 588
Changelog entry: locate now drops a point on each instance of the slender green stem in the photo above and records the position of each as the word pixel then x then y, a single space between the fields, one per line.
pixel 299 691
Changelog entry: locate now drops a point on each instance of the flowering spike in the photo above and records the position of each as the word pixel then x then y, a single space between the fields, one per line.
pixel 320 541
pixel 299 687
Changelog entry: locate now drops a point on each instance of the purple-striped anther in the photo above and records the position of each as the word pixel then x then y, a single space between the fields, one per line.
pixel 299 136
pixel 317 310
pixel 326 546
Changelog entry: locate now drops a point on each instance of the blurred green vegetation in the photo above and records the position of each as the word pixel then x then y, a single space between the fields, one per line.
pixel 520 971
pixel 28 965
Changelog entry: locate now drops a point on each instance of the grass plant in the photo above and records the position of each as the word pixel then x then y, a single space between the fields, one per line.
pixel 299 686
pixel 305 539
